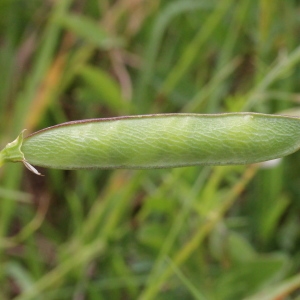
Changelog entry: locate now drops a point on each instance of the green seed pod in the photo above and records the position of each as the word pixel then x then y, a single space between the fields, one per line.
pixel 158 141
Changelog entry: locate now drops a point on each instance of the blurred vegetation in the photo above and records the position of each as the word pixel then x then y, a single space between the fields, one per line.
pixel 219 233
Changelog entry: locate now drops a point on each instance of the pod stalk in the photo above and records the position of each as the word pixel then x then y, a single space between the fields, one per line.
pixel 13 153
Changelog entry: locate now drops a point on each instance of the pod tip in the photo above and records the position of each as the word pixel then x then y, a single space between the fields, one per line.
pixel 31 168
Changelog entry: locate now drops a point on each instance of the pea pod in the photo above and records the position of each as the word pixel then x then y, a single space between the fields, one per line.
pixel 158 141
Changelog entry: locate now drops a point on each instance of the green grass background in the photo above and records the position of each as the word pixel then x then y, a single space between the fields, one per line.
pixel 221 233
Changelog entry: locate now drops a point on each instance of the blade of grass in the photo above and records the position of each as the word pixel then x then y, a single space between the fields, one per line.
pixel 58 275
pixel 190 286
pixel 182 255
pixel 162 21
pixel 280 291
pixel 282 66
pixel 192 50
